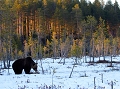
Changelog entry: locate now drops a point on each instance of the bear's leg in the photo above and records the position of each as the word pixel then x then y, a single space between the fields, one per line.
pixel 27 70
pixel 18 71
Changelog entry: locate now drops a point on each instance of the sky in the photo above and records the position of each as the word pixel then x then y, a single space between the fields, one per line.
pixel 113 1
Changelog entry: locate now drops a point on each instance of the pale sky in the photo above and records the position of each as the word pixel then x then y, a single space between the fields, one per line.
pixel 113 1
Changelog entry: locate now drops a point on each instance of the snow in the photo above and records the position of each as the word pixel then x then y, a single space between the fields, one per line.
pixel 56 76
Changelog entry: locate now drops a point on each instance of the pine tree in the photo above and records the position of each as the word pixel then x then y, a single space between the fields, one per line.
pixel 55 47
pixel 102 34
pixel 91 27
pixel 76 50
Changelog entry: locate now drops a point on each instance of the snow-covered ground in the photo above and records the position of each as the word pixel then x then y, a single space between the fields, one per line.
pixel 84 76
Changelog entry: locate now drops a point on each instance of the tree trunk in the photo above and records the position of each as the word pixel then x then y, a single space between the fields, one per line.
pixel 71 71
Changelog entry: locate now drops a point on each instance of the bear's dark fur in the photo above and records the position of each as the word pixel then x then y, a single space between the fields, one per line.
pixel 26 64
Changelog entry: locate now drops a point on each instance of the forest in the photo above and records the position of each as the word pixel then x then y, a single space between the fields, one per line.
pixel 59 28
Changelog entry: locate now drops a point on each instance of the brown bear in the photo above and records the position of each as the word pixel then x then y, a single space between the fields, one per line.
pixel 26 64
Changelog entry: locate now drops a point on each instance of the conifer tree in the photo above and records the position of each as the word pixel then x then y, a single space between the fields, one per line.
pixel 102 34
pixel 91 27
pixel 76 50
pixel 55 47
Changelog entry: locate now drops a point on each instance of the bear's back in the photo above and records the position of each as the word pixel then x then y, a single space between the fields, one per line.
pixel 18 62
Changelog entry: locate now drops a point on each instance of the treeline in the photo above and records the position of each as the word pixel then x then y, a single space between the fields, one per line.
pixel 59 28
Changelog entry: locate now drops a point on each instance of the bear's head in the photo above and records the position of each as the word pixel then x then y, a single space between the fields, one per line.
pixel 35 67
